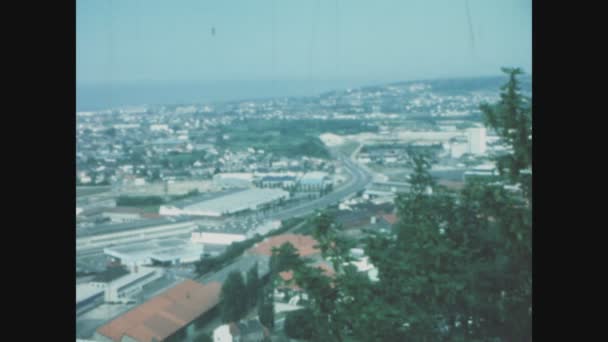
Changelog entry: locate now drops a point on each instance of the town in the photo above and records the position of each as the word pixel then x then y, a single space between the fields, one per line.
pixel 175 201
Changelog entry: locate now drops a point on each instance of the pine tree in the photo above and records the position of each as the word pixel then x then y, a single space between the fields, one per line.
pixel 233 297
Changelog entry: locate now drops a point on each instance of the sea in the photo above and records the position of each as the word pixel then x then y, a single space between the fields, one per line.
pixel 92 97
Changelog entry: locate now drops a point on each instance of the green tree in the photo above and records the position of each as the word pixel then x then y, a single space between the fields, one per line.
pixel 234 304
pixel 511 117
pixel 284 258
pixel 459 268
pixel 253 285
pixel 266 306
pixel 203 338
pixel 299 324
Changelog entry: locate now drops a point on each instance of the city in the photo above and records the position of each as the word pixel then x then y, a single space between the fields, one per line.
pixel 387 210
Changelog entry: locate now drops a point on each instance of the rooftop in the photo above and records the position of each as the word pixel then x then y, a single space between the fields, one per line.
pixel 305 244
pixel 163 315
pixel 140 224
pixel 110 274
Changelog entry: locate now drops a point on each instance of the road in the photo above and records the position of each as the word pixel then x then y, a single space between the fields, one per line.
pixel 359 179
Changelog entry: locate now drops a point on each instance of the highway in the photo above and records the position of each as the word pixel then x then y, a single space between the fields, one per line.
pixel 359 179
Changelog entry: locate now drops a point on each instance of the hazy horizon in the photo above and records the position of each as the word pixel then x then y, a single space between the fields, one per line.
pixel 235 40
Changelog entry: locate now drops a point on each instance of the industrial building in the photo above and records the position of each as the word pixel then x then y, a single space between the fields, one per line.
pixel 284 182
pixel 126 287
pixel 477 140
pixel 88 296
pixel 164 252
pixel 225 203
pixel 207 238
pixel 102 236
pixel 171 316
pixel 313 181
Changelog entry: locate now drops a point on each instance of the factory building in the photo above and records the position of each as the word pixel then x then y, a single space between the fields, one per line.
pixel 88 296
pixel 172 315
pixel 225 203
pixel 163 252
pixel 314 181
pixel 477 140
pixel 216 238
pixel 126 286
pixel 106 235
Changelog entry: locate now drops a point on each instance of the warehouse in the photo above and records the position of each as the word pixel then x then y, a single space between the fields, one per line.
pixel 171 316
pixel 123 286
pixel 314 181
pixel 225 203
pixel 88 296
pixel 167 251
pixel 216 238
pixel 112 234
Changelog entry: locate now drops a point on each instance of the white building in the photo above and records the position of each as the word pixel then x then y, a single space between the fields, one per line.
pixel 313 181
pixel 458 149
pixel 166 251
pixel 477 140
pixel 225 203
pixel 216 238
pixel 125 288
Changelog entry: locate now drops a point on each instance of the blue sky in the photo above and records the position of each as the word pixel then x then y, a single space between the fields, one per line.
pixel 379 40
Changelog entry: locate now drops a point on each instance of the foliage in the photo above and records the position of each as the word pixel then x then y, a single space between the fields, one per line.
pixel 299 324
pixel 458 269
pixel 253 285
pixel 203 338
pixel 234 307
pixel 139 201
pixel 266 307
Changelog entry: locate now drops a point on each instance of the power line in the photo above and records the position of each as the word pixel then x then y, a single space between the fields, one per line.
pixel 472 36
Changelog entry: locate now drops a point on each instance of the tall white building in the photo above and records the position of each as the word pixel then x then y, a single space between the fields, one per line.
pixel 477 140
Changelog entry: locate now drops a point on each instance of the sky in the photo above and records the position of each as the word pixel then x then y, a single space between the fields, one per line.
pixel 122 41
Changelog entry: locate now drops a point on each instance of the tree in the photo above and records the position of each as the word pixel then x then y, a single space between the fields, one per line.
pixel 284 258
pixel 266 306
pixel 253 285
pixel 203 338
pixel 459 268
pixel 511 117
pixel 234 303
pixel 299 324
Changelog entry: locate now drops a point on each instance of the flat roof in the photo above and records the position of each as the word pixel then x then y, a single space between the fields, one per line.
pixel 186 202
pixel 127 226
pixel 160 250
pixel 163 315
pixel 237 199
pixel 86 291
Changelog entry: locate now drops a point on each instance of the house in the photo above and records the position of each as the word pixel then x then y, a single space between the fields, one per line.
pixel 169 316
pixel 244 331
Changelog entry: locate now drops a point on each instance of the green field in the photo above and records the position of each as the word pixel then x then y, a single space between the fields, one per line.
pixel 288 138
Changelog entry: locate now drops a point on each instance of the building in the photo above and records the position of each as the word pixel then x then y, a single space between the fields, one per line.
pixel 88 296
pixel 126 286
pixel 314 181
pixel 216 238
pixel 225 203
pixel 171 316
pixel 164 252
pixel 234 179
pixel 305 245
pixel 103 236
pixel 477 140
pixel 487 171
pixel 244 331
pixel 122 214
pixel 284 182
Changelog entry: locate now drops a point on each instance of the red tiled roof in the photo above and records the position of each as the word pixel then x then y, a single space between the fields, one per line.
pixel 288 275
pixel 303 243
pixel 390 218
pixel 164 314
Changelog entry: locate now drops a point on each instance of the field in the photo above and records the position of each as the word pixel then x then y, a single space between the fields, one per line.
pixel 288 138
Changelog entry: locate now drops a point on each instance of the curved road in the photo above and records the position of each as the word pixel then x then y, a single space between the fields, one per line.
pixel 359 179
